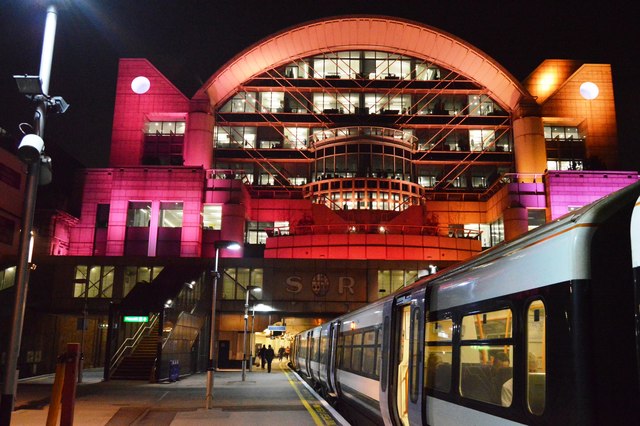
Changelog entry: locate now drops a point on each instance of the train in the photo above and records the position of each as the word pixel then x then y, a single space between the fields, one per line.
pixel 542 330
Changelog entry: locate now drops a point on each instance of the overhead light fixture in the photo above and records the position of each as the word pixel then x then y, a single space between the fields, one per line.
pixel 29 85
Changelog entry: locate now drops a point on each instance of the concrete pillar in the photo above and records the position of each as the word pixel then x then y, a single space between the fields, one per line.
pixel 198 141
pixel 154 222
pixel 232 226
pixel 529 147
pixel 516 222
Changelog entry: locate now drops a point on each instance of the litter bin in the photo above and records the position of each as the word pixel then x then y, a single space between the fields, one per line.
pixel 174 370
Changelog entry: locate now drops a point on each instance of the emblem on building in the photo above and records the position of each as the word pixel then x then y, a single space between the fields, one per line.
pixel 320 285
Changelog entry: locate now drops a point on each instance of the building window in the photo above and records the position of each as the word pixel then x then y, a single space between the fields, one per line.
pixel 271 101
pixel 139 214
pixel 139 274
pixel 257 232
pixel 171 215
pixel 536 217
pixel 497 231
pixel 102 216
pixel 7 277
pixel 392 280
pixel 480 105
pixel 296 137
pixel 236 280
pixel 9 176
pixel 241 102
pixel 235 137
pixel 7 230
pixel 164 128
pixel 212 217
pixel 93 282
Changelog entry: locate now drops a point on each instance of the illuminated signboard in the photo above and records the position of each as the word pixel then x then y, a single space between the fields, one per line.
pixel 136 318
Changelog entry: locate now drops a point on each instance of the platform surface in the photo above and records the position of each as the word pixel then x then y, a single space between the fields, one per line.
pixel 276 398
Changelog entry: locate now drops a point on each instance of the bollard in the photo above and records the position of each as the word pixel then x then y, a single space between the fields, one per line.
pixel 70 384
pixel 56 392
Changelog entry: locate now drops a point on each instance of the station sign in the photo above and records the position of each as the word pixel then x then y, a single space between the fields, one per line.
pixel 135 318
pixel 277 328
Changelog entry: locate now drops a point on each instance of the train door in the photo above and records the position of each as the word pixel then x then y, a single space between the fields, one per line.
pixel 307 366
pixel 416 357
pixel 334 330
pixel 402 311
pixel 635 263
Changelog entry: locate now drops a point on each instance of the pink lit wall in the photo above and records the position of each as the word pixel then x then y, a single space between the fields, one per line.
pixel 572 189
pixel 132 110
pixel 117 187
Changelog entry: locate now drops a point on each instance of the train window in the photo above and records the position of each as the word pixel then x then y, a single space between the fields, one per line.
pixel 438 354
pixel 346 355
pixel 369 353
pixel 415 353
pixel 356 353
pixel 536 377
pixel 324 348
pixel 486 356
pixel 340 350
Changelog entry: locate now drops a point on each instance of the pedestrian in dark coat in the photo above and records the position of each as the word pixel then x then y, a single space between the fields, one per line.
pixel 262 354
pixel 269 355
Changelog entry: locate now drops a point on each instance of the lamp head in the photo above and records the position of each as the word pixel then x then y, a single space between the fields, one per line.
pixel 30 148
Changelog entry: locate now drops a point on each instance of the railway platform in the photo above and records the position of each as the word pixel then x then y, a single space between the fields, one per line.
pixel 277 398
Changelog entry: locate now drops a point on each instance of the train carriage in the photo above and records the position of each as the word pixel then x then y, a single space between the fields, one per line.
pixel 542 330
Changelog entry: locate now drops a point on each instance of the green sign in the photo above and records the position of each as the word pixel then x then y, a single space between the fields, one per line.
pixel 139 318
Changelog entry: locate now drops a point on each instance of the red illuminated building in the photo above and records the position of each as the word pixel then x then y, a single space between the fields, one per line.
pixel 349 156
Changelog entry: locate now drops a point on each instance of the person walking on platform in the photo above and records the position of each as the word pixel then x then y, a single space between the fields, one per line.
pixel 261 353
pixel 269 355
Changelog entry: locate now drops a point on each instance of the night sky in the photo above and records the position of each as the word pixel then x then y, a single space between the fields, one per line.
pixel 189 40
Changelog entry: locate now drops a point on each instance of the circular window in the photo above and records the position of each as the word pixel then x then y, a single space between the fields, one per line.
pixel 589 90
pixel 140 85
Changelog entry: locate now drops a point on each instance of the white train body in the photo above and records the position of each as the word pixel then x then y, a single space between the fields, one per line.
pixel 560 304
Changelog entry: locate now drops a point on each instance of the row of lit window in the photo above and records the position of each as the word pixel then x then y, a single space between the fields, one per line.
pixel 359 103
pixel 250 137
pixel 365 64
pixel 164 128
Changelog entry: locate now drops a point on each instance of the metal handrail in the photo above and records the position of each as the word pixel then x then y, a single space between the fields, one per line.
pixel 130 343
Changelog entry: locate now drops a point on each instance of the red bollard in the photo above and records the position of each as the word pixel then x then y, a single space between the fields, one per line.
pixel 70 384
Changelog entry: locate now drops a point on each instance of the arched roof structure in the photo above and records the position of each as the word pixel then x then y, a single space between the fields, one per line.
pixel 365 33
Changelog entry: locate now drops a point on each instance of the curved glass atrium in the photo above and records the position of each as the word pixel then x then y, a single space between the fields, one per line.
pixel 364 130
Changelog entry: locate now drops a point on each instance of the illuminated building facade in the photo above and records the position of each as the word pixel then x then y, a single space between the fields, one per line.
pixel 348 155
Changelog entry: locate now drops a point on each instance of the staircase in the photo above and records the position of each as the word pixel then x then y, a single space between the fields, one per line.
pixel 139 364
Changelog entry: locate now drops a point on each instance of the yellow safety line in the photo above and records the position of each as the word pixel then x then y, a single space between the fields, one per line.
pixel 314 415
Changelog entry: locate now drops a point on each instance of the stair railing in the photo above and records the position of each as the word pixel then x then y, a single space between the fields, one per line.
pixel 130 343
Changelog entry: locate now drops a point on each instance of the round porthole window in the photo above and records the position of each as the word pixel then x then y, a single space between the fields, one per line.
pixel 589 90
pixel 140 85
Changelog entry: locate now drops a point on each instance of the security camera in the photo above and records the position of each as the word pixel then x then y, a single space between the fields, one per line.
pixel 30 148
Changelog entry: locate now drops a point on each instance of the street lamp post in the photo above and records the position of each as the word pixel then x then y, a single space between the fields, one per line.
pixel 31 151
pixel 252 337
pixel 250 288
pixel 221 244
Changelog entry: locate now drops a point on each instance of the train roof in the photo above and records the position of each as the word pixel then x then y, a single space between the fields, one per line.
pixel 591 214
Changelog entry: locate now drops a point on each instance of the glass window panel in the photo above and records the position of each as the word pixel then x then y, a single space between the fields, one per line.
pixel 139 214
pixel 536 361
pixel 356 358
pixel 484 371
pixel 439 331
pixel 487 325
pixel 228 285
pixel 368 360
pixel 212 217
pixel 438 367
pixel 171 215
